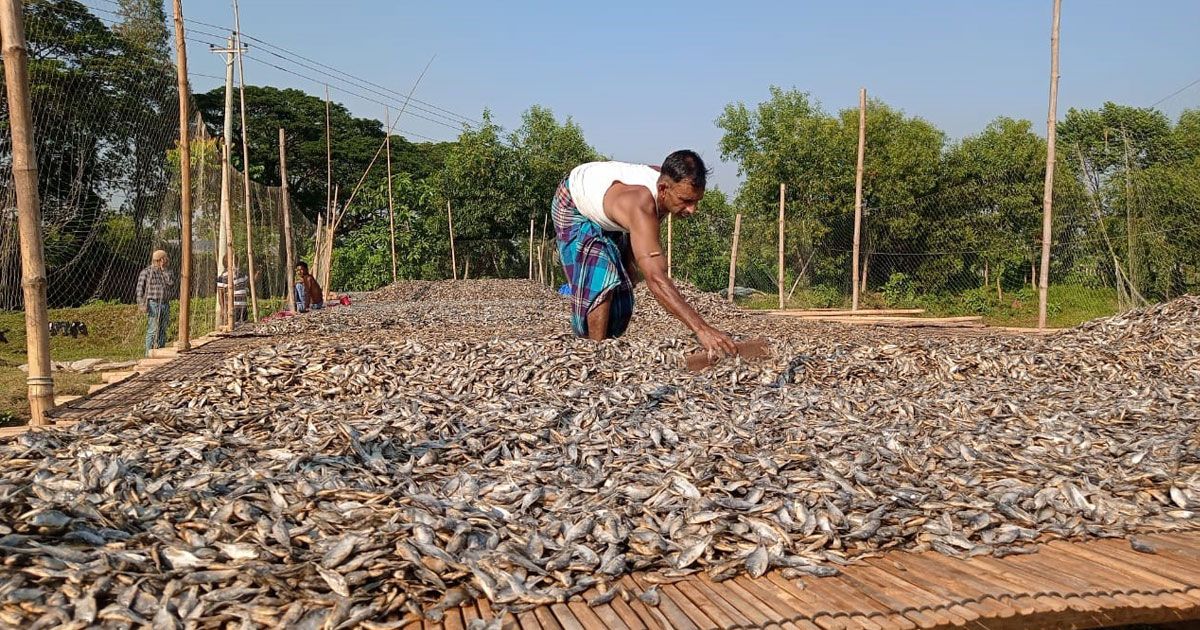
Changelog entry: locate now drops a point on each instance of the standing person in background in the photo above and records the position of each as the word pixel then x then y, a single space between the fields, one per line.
pixel 154 287
pixel 308 291
pixel 241 285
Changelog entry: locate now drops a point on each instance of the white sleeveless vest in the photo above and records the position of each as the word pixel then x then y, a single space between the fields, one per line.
pixel 589 182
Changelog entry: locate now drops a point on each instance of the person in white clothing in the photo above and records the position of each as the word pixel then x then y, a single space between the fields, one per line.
pixel 606 222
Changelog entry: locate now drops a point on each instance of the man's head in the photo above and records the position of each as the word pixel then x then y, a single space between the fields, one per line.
pixel 159 258
pixel 302 268
pixel 681 184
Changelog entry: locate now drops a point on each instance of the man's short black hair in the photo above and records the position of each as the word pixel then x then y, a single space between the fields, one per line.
pixel 303 265
pixel 686 165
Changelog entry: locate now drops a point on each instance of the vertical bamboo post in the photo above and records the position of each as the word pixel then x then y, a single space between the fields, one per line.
pixel 250 280
pixel 287 224
pixel 467 268
pixel 327 252
pixel 858 195
pixel 453 259
pixel 1048 193
pixel 782 194
pixel 185 183
pixel 531 220
pixel 39 382
pixel 387 113
pixel 545 276
pixel 733 253
pixel 328 158
pixel 670 242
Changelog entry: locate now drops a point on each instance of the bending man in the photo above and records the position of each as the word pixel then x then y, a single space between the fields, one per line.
pixel 606 219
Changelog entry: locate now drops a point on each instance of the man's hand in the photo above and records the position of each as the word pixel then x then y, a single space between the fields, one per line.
pixel 716 342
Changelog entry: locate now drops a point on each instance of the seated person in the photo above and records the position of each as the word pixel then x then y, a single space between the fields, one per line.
pixel 308 292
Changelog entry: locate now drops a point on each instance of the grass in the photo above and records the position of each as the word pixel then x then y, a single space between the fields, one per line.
pixel 116 332
pixel 1067 305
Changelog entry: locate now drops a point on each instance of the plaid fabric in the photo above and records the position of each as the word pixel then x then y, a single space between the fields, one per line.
pixel 592 260
pixel 154 284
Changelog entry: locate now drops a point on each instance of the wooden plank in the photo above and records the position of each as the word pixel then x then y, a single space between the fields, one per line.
pixel 778 613
pixel 1183 544
pixel 905 599
pixel 880 585
pixel 529 621
pixel 809 604
pixel 1126 567
pixel 840 601
pixel 689 608
pixel 470 613
pixel 767 593
pixel 545 617
pixel 587 617
pixel 566 618
pixel 627 614
pixel 668 608
pixel 1184 570
pixel 832 312
pixel 649 615
pixel 452 619
pixel 973 599
pixel 748 607
pixel 509 621
pixel 1111 590
pixel 954 571
pixel 729 611
pixel 1039 592
pixel 792 593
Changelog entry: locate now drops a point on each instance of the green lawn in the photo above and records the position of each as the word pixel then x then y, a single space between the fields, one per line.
pixel 116 332
pixel 1068 305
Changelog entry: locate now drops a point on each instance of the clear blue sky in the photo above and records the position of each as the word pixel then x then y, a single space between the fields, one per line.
pixel 645 78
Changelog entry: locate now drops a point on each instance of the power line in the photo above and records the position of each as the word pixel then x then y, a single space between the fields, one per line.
pixel 1175 93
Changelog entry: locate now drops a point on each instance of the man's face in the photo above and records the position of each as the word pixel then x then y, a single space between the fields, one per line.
pixel 300 273
pixel 678 198
pixel 161 263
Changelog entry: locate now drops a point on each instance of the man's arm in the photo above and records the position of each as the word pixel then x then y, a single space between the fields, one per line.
pixel 644 228
pixel 141 290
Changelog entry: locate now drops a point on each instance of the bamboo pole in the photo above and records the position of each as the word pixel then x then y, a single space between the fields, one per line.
pixel 1048 193
pixel 858 194
pixel 670 242
pixel 40 382
pixel 250 280
pixel 733 253
pixel 287 225
pixel 185 183
pixel 387 113
pixel 544 274
pixel 453 259
pixel 327 253
pixel 782 194
pixel 531 220
pixel 328 157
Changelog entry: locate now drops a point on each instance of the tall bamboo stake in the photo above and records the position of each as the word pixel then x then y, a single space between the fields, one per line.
pixel 245 164
pixel 1048 193
pixel 670 240
pixel 328 157
pixel 185 183
pixel 287 224
pixel 39 381
pixel 858 195
pixel 531 220
pixel 782 194
pixel 733 253
pixel 544 275
pixel 387 112
pixel 453 259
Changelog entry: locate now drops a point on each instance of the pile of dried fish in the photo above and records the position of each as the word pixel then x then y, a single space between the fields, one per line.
pixel 339 478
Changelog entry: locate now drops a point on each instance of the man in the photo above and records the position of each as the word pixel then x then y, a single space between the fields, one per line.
pixel 607 217
pixel 241 288
pixel 308 292
pixel 154 286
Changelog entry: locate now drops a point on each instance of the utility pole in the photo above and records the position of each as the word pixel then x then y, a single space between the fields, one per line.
pixel 226 229
pixel 387 114
pixel 241 53
pixel 185 183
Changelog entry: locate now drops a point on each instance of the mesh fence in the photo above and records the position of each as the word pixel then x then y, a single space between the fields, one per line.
pixel 106 125
pixel 974 249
